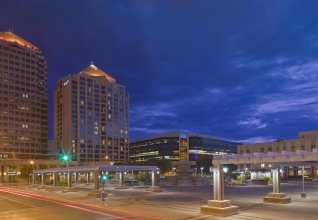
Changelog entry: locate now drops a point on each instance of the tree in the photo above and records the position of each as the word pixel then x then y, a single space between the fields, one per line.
pixel 205 162
pixel 25 171
pixel 164 165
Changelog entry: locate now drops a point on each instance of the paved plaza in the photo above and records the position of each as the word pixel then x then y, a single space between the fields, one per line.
pixel 185 202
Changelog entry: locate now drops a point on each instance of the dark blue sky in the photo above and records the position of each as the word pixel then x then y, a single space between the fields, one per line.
pixel 240 70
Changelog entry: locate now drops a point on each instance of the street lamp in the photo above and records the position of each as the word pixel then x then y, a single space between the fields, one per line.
pixel 201 168
pixel 225 169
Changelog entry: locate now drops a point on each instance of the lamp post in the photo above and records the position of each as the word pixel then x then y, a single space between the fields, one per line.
pixel 31 164
pixel 201 168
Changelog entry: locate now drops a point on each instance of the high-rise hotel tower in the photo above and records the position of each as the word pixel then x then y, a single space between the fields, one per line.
pixel 91 117
pixel 23 98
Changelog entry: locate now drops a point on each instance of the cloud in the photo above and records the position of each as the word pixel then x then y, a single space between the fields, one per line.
pixel 253 140
pixel 305 71
pixel 285 104
pixel 149 130
pixel 254 122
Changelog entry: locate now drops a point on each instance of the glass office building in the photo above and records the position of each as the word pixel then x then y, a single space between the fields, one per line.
pixel 91 115
pixel 165 146
pixel 205 146
pixel 174 147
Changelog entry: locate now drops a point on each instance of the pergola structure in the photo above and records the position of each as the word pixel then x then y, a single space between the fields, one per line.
pixel 220 206
pixel 72 173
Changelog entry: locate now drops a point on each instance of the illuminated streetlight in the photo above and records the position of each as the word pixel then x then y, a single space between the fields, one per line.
pixel 31 162
pixel 225 169
pixel 201 168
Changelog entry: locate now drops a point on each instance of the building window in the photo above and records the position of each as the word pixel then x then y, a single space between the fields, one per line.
pixel 313 146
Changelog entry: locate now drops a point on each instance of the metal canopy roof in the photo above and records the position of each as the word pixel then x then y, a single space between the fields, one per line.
pixel 284 157
pixel 119 168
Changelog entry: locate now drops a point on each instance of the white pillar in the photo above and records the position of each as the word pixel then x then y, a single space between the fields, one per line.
pixel 42 178
pixel 69 179
pixel 313 172
pixel 88 177
pixel 218 186
pixel 54 179
pixel 33 178
pixel 276 180
pixel 121 178
pixel 96 180
pixel 76 177
pixel 154 178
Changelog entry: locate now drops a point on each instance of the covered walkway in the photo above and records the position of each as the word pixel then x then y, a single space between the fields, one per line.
pixel 51 177
pixel 220 206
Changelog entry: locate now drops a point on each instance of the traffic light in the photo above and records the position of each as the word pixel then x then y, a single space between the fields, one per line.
pixel 65 157
pixel 104 177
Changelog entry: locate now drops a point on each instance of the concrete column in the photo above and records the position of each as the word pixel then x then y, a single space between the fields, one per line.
pixel 218 206
pixel 295 172
pixel 154 180
pixel 2 173
pixel 286 173
pixel 33 178
pixel 43 179
pixel 218 180
pixel 76 177
pixel 88 177
pixel 313 172
pixel 69 179
pixel 96 180
pixel 121 179
pixel 276 180
pixel 54 179
pixel 276 196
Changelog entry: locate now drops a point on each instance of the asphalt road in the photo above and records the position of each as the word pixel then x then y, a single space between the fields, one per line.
pixel 21 205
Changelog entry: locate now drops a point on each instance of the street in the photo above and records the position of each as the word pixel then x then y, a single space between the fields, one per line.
pixel 19 204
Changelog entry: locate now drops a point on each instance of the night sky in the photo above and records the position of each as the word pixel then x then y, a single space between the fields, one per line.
pixel 241 70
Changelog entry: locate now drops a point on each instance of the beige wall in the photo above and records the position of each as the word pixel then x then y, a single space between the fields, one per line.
pixel 308 142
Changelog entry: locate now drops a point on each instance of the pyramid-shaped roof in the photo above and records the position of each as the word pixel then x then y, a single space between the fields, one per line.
pixel 92 70
pixel 11 37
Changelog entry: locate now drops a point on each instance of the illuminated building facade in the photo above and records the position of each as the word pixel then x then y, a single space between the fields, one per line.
pixel 23 99
pixel 307 141
pixel 91 117
pixel 205 146
pixel 173 147
pixel 165 146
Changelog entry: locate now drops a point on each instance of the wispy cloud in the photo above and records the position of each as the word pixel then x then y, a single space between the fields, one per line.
pixel 304 71
pixel 254 122
pixel 253 140
pixel 149 130
pixel 285 104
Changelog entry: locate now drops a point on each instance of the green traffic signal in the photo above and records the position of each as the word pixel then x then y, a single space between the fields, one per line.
pixel 65 157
